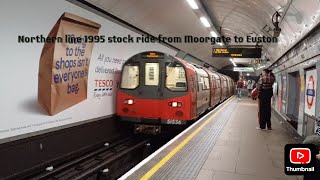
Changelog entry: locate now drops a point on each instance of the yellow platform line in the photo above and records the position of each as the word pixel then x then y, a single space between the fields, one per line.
pixel 156 167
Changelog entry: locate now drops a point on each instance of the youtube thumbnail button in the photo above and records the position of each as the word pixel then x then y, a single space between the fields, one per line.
pixel 300 159
pixel 300 155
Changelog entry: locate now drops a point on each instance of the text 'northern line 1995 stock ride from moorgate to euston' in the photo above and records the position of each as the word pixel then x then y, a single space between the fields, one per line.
pixel 144 39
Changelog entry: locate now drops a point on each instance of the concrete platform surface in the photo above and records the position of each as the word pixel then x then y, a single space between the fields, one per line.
pixel 244 153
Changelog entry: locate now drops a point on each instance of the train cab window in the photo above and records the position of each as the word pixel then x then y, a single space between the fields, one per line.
pixel 176 77
pixel 152 74
pixel 130 76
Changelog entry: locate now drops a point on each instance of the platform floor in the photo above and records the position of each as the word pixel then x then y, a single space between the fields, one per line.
pixel 244 153
pixel 224 146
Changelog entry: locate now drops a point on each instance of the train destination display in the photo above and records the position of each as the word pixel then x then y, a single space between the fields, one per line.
pixel 237 52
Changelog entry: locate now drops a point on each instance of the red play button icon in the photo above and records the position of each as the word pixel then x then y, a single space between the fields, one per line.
pixel 300 155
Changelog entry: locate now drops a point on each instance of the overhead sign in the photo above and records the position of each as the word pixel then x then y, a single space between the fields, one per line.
pixel 152 55
pixel 310 93
pixel 258 61
pixel 237 52
pixel 243 69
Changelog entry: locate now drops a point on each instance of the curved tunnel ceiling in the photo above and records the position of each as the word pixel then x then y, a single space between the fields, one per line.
pixel 175 18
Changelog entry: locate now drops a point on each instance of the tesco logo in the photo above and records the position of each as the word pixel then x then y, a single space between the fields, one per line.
pixel 104 83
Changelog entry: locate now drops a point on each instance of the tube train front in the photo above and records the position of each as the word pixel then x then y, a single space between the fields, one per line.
pixel 157 89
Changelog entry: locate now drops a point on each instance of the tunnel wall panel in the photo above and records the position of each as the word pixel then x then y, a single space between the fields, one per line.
pixel 21 114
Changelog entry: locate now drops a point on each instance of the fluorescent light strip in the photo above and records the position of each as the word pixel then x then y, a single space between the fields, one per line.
pixel 193 4
pixel 261 67
pixel 213 34
pixel 234 64
pixel 205 22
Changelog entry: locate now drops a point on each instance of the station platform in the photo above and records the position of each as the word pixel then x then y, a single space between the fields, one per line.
pixel 223 145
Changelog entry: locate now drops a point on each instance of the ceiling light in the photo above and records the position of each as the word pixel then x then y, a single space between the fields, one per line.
pixel 193 4
pixel 213 34
pixel 248 74
pixel 205 22
pixel 260 67
pixel 231 59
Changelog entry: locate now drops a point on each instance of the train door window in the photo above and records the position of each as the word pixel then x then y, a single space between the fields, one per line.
pixel 192 83
pixel 152 74
pixel 205 83
pixel 202 83
pixel 176 77
pixel 212 82
pixel 130 76
pixel 198 82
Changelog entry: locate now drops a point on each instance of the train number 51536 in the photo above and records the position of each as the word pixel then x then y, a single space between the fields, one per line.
pixel 174 121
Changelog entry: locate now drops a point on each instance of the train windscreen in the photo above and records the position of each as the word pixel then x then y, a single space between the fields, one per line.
pixel 176 77
pixel 130 76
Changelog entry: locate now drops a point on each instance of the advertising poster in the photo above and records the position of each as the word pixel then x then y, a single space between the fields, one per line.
pixel 280 92
pixel 284 93
pixel 275 94
pixel 310 92
pixel 47 85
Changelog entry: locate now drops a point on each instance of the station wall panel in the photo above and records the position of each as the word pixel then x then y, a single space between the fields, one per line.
pixel 21 115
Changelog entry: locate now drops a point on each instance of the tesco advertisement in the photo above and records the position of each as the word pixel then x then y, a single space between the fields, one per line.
pixel 64 81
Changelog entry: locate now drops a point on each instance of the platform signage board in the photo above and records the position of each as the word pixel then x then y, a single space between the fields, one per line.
pixel 310 92
pixel 259 61
pixel 237 52
pixel 243 69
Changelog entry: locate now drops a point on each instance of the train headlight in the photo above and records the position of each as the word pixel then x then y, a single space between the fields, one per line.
pixel 175 104
pixel 128 101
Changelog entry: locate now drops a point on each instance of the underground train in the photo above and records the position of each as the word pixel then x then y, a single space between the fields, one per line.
pixel 157 90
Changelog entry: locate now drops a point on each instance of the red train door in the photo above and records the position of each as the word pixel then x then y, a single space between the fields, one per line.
pixel 152 82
